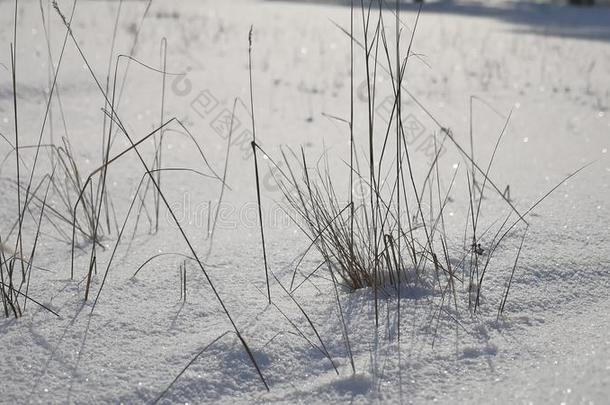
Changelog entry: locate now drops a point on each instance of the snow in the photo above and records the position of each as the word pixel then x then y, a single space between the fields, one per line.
pixel 548 64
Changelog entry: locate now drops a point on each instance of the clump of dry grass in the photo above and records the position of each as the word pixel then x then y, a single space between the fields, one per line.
pixel 15 262
pixel 394 234
pixel 151 174
pixel 84 203
pixel 386 238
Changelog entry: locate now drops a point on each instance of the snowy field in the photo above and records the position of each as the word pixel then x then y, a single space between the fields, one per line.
pixel 543 71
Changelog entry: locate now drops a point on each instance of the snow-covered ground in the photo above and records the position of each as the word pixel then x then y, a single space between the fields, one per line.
pixel 549 65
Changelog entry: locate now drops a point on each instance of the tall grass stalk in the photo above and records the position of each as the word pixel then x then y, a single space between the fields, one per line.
pixel 256 172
